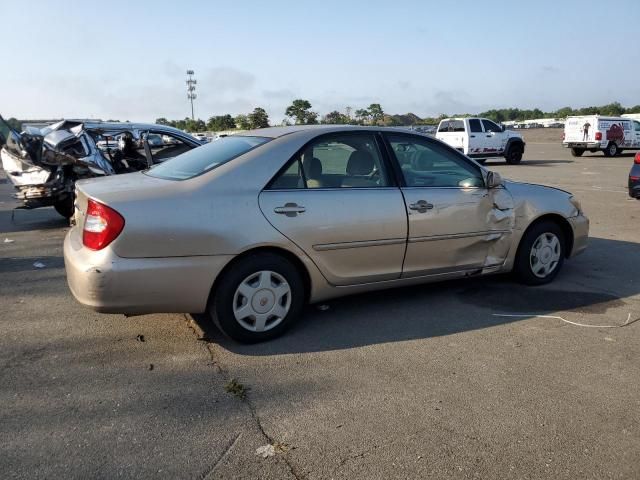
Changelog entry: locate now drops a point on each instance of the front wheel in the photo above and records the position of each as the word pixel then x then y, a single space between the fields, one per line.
pixel 540 254
pixel 258 298
pixel 514 154
pixel 611 150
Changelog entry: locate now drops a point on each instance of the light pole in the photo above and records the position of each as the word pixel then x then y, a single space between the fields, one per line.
pixel 191 90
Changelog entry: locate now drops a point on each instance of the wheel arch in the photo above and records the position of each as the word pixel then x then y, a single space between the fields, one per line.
pixel 291 257
pixel 561 221
pixel 513 141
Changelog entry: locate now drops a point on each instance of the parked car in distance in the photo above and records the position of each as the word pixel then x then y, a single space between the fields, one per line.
pixel 594 133
pixel 480 138
pixel 253 226
pixel 43 165
pixel 634 178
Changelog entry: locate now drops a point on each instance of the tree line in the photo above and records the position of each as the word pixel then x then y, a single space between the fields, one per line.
pixel 301 112
pixel 514 114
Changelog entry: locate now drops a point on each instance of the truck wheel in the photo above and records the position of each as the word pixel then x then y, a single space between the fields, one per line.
pixel 577 152
pixel 65 207
pixel 611 150
pixel 514 154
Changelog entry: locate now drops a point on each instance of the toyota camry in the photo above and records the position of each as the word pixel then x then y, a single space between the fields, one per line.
pixel 252 227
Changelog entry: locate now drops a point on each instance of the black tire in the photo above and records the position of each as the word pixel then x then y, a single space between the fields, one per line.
pixel 611 150
pixel 514 154
pixel 577 152
pixel 65 207
pixel 481 161
pixel 523 268
pixel 221 308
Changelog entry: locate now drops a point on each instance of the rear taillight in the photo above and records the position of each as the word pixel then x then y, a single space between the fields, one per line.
pixel 598 135
pixel 636 160
pixel 102 225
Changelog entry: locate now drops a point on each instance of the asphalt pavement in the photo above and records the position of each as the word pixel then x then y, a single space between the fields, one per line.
pixel 420 382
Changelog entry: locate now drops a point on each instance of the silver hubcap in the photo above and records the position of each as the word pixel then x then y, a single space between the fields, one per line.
pixel 261 301
pixel 545 255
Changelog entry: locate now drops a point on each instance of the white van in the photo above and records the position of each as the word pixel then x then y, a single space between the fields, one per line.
pixel 612 135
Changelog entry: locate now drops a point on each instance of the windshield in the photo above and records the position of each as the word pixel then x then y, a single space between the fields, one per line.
pixel 202 159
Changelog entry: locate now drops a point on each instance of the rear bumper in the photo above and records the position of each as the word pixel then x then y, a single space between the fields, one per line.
pixel 110 284
pixel 580 227
pixel 585 145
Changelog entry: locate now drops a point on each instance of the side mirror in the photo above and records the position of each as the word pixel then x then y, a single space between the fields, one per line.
pixel 494 180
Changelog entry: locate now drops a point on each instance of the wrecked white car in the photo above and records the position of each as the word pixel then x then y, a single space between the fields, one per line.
pixel 43 164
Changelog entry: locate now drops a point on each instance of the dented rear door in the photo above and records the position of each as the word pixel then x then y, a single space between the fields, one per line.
pixel 455 223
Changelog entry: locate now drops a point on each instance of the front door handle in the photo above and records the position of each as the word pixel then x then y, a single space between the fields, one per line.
pixel 290 209
pixel 421 206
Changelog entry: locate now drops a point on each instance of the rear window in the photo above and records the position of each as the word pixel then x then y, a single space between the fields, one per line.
pixel 207 157
pixel 451 126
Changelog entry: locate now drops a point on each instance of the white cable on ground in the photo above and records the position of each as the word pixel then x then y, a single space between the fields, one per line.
pixel 625 324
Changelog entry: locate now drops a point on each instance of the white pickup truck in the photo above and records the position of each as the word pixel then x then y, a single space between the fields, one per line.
pixel 480 138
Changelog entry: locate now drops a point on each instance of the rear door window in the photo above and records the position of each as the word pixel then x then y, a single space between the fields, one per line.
pixel 336 161
pixel 475 126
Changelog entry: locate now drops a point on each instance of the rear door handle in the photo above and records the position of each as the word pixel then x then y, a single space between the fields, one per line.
pixel 472 136
pixel 421 206
pixel 290 209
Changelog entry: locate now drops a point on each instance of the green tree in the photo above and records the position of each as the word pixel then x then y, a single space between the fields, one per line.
pixel 162 121
pixel 335 118
pixel 300 110
pixel 377 115
pixel 242 122
pixel 221 123
pixel 362 115
pixel 258 118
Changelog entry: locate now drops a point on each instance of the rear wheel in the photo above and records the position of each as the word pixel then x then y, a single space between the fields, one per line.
pixel 611 150
pixel 258 298
pixel 65 207
pixel 514 154
pixel 577 152
pixel 540 254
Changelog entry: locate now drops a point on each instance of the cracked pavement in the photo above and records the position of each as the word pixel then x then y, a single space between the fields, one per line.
pixel 420 382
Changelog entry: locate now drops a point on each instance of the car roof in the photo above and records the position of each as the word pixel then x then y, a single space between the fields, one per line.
pixel 275 132
pixel 98 125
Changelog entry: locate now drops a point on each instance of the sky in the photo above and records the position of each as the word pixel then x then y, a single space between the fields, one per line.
pixel 127 60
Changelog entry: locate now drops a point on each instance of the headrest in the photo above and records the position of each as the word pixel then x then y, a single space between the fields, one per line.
pixel 360 163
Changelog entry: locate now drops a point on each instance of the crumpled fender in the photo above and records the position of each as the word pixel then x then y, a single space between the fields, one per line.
pixel 502 219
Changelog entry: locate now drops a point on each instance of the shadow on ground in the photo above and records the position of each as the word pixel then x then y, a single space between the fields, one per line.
pixel 595 283
pixel 21 220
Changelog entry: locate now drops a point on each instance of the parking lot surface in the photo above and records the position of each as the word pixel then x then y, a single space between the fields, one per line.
pixel 420 382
